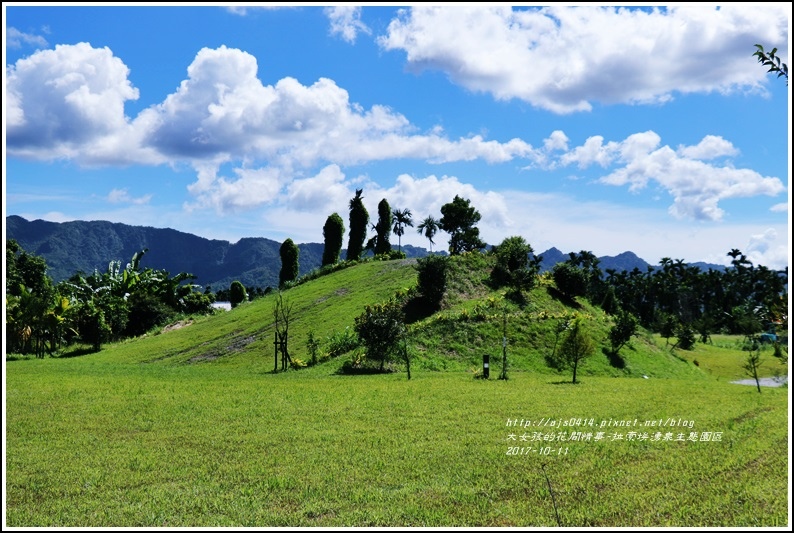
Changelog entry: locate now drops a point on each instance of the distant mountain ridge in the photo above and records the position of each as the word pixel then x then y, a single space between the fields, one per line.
pixel 85 246
pixel 624 261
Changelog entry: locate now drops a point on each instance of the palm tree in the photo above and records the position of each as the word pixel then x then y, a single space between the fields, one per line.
pixel 402 218
pixel 428 228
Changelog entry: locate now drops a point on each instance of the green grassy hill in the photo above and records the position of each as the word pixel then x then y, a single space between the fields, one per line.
pixel 470 324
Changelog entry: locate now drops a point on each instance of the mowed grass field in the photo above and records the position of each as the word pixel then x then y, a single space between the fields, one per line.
pixel 147 445
pixel 191 427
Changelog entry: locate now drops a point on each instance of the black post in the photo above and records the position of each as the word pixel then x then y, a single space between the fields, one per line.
pixel 275 350
pixel 504 348
pixel 485 365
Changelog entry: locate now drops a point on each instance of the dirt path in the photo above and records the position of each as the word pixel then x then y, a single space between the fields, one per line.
pixel 764 382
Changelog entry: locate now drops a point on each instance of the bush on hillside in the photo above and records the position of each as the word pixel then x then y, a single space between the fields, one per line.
pixel 341 342
pixel 380 328
pixel 432 279
pixel 390 255
pixel 686 337
pixel 237 293
pixel 570 280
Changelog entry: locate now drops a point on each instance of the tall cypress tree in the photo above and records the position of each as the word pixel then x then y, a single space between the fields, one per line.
pixel 289 262
pixel 334 233
pixel 383 228
pixel 359 219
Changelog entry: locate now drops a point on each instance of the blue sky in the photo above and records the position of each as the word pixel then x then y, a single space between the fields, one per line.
pixel 592 128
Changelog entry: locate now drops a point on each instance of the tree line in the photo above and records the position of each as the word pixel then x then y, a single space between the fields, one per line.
pixel 674 299
pixel 459 219
pixel 42 317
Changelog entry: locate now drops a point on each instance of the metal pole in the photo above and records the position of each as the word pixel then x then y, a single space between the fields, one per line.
pixel 504 347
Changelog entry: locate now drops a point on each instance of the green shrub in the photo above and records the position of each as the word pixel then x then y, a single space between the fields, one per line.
pixel 478 373
pixel 341 342
pixel 290 254
pixel 686 337
pixel 360 364
pixel 380 328
pixel 570 280
pixel 432 278
pixel 196 303
pixel 513 266
pixel 390 255
pixel 313 347
pixel 297 364
pixel 237 293
pixel 146 311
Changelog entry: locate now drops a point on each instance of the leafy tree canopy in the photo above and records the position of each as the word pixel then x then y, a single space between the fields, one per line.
pixel 576 346
pixel 459 219
pixel 513 265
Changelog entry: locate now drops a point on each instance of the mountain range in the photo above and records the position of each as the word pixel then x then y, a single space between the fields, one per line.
pixel 86 246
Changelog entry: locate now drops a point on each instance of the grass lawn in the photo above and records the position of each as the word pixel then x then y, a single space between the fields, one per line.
pixel 91 442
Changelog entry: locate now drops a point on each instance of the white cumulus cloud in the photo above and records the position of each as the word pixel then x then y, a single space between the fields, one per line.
pixel 563 59
pixel 425 196
pixel 249 188
pixel 593 151
pixel 327 188
pixel 696 186
pixel 69 103
pixel 764 249
pixel 62 100
pixel 710 147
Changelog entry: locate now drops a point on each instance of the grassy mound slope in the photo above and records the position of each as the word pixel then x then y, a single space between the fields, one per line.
pixel 471 323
